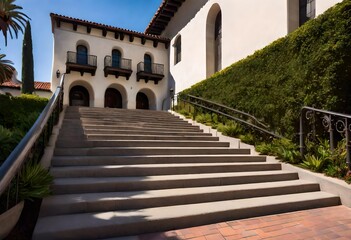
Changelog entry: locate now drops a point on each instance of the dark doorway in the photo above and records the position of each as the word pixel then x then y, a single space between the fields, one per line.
pixel 147 63
pixel 79 96
pixel 82 55
pixel 116 58
pixel 218 42
pixel 113 98
pixel 142 101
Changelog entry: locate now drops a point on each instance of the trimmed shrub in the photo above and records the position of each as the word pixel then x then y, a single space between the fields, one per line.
pixel 311 66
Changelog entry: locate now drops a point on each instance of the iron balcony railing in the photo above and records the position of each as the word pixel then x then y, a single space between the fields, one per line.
pixel 152 68
pixel 243 118
pixel 121 63
pixel 81 59
pixel 320 124
pixel 32 145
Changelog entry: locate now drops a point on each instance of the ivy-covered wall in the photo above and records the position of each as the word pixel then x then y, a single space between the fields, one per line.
pixel 311 66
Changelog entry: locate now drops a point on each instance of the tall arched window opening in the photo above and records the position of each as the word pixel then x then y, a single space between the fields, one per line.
pixel 218 42
pixel 82 55
pixel 307 10
pixel 116 58
pixel 147 63
pixel 178 50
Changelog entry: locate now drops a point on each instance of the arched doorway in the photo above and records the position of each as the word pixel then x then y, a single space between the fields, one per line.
pixel 79 96
pixel 142 101
pixel 113 98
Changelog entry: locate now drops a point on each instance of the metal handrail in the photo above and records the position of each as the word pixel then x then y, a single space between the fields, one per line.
pixel 230 109
pixel 244 122
pixel 333 123
pixel 12 165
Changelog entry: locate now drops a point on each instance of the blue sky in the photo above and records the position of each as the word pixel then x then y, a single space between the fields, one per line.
pixel 130 14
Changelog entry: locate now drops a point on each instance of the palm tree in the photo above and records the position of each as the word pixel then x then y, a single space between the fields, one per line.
pixel 6 70
pixel 11 19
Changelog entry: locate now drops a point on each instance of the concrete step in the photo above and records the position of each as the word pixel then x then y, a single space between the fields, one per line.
pixel 142 183
pixel 159 169
pixel 169 132
pixel 134 127
pixel 152 159
pixel 137 151
pixel 121 223
pixel 73 143
pixel 148 137
pixel 134 121
pixel 116 201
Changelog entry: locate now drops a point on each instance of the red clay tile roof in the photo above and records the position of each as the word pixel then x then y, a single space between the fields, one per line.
pixel 41 86
pixel 162 16
pixel 57 17
pixel 44 86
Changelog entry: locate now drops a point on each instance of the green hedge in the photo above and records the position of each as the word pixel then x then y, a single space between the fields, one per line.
pixel 311 66
pixel 17 115
pixel 19 112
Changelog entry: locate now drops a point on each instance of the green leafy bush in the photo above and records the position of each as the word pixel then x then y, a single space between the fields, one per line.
pixel 300 69
pixel 34 182
pixel 230 129
pixel 314 163
pixel 8 141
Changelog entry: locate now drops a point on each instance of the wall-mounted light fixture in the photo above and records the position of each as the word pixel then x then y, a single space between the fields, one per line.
pixel 58 73
pixel 171 92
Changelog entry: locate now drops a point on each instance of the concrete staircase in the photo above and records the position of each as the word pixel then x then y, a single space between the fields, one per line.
pixel 127 172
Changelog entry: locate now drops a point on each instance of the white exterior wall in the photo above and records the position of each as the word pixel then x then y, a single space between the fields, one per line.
pixel 65 39
pixel 323 5
pixel 246 26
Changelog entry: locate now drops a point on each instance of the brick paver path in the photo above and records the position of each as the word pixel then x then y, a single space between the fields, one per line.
pixel 324 223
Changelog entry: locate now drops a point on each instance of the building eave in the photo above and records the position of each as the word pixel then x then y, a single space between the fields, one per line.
pixel 163 16
pixel 56 20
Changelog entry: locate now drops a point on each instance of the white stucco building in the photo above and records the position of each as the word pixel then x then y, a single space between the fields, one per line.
pixel 185 42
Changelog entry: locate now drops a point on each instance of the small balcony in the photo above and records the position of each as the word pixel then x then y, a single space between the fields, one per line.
pixel 82 63
pixel 118 67
pixel 154 72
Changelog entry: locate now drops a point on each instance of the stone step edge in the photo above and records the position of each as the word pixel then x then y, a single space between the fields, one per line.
pixel 122 223
pixel 93 202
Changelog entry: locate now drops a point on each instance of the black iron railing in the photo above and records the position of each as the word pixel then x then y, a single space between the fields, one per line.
pixel 31 147
pixel 320 124
pixel 121 63
pixel 241 117
pixel 81 59
pixel 152 68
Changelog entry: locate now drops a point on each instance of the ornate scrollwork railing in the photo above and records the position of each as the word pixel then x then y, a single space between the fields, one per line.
pixel 317 123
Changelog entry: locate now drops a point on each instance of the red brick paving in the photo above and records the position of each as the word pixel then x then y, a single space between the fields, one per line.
pixel 316 224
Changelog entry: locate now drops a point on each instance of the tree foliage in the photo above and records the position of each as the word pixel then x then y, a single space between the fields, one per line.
pixel 11 18
pixel 27 62
pixel 311 66
pixel 6 70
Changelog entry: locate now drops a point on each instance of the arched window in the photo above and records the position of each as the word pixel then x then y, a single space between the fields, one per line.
pixel 178 50
pixel 147 63
pixel 116 58
pixel 82 55
pixel 307 10
pixel 218 42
